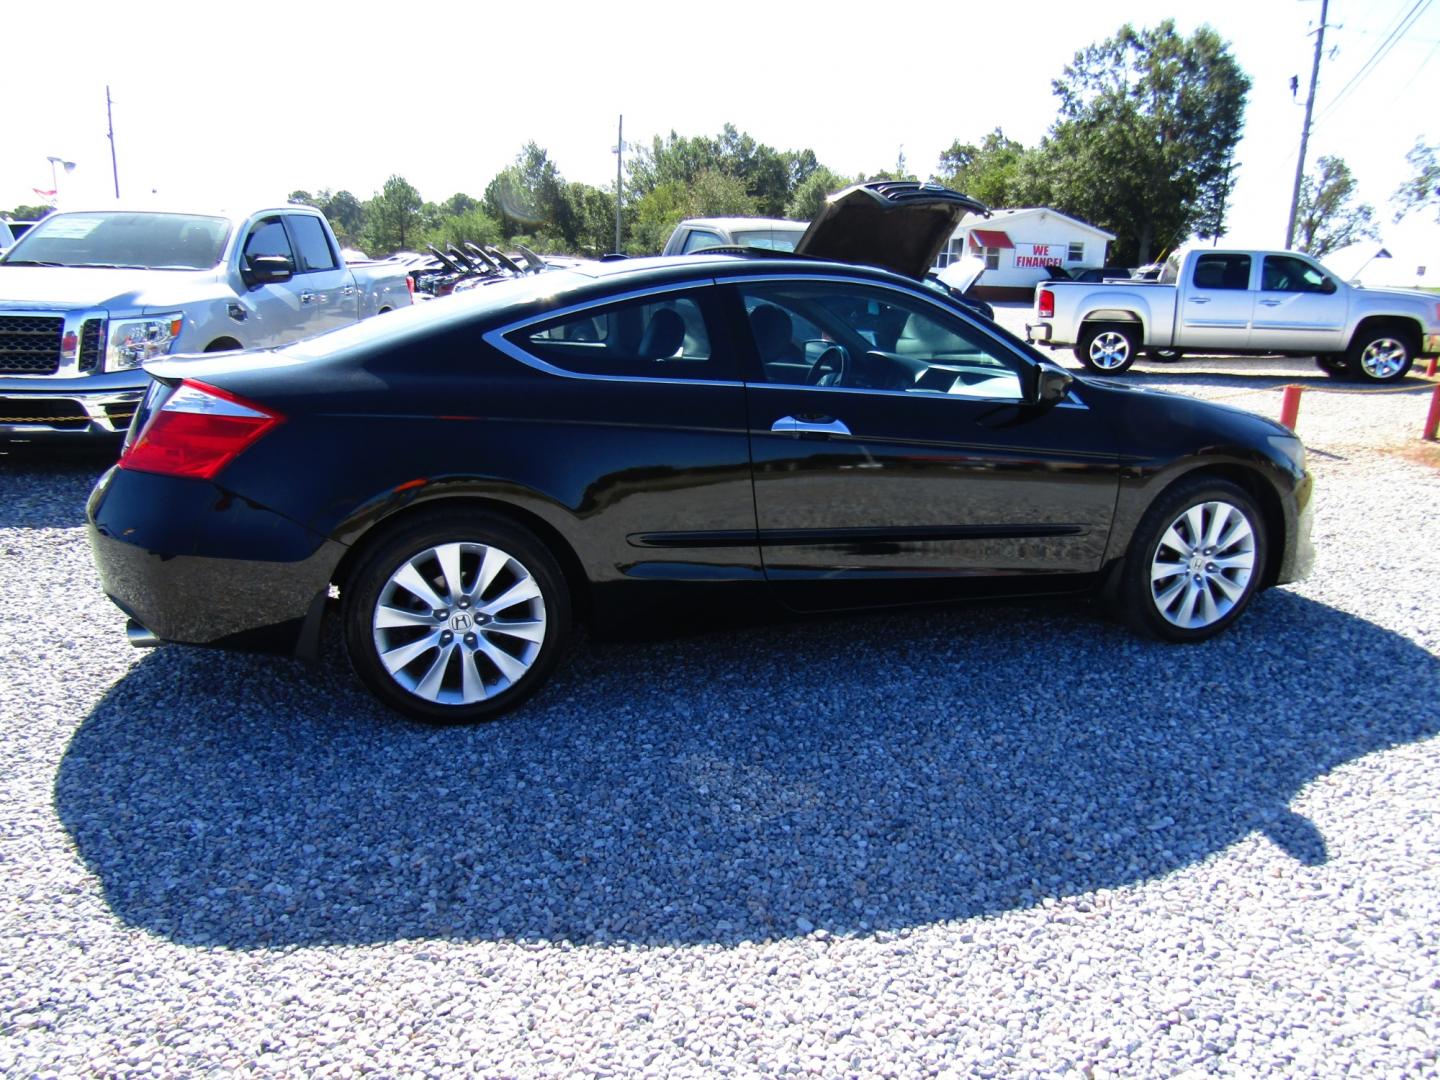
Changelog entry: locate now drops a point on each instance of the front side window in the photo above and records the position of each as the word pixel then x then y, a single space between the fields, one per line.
pixel 871 338
pixel 268 238
pixel 1285 273
pixel 661 336
pixel 1226 271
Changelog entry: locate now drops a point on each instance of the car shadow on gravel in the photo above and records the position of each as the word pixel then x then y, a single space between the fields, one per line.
pixel 852 775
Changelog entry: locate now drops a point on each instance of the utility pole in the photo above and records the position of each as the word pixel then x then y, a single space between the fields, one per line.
pixel 1305 131
pixel 619 160
pixel 110 120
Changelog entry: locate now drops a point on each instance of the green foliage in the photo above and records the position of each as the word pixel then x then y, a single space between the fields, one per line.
pixel 1146 135
pixel 474 225
pixel 30 213
pixel 1422 190
pixel 393 218
pixel 810 194
pixel 997 172
pixel 769 177
pixel 1328 217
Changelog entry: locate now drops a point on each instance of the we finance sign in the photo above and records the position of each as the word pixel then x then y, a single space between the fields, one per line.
pixel 1040 255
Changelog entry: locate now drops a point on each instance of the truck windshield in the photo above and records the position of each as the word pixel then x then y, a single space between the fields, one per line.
pixel 142 241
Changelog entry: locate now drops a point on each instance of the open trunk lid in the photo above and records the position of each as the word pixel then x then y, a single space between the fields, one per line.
pixel 898 225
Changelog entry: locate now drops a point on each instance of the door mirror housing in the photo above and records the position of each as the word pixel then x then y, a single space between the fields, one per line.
pixel 1051 384
pixel 268 270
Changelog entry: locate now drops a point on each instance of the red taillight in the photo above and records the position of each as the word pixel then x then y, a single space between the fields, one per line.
pixel 197 432
pixel 1046 304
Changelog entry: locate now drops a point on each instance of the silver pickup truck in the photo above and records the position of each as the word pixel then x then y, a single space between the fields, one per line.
pixel 87 297
pixel 1242 303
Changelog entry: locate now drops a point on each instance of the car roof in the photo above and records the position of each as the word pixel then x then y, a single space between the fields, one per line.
pixel 731 224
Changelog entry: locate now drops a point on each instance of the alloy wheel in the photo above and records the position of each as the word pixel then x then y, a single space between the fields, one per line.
pixel 1203 564
pixel 458 623
pixel 1109 350
pixel 1383 358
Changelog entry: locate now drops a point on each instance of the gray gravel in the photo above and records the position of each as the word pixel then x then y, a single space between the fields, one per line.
pixel 998 840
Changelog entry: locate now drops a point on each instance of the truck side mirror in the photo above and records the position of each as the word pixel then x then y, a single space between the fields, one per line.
pixel 268 270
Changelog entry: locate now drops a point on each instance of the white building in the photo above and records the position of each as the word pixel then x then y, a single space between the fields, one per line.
pixel 1021 247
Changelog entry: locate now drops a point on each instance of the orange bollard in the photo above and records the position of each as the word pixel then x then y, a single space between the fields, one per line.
pixel 1290 406
pixel 1432 421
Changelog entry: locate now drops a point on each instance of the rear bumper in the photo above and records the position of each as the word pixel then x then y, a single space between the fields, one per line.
pixel 1037 333
pixel 192 563
pixel 83 407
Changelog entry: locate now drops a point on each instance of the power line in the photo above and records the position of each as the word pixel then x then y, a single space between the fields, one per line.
pixel 1381 51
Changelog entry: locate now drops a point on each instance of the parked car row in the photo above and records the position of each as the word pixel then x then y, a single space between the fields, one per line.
pixel 799 432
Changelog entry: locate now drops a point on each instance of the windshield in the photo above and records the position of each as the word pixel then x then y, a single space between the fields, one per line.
pixel 773 239
pixel 143 241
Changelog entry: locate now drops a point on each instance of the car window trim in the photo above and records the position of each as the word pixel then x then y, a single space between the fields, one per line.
pixel 499 338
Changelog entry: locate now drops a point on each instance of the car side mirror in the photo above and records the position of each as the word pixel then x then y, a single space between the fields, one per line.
pixel 268 270
pixel 1052 384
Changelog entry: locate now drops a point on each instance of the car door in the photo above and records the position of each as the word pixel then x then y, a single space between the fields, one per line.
pixel 642 400
pixel 274 313
pixel 328 294
pixel 1216 302
pixel 1298 306
pixel 895 457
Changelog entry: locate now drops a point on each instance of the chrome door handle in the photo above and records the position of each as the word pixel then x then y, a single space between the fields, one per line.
pixel 1199 299
pixel 1271 303
pixel 308 298
pixel 348 290
pixel 789 425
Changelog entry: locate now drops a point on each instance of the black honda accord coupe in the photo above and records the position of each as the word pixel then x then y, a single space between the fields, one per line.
pixel 819 431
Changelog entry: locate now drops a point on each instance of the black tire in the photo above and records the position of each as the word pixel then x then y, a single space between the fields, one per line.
pixel 1147 601
pixel 1381 354
pixel 1108 348
pixel 1332 365
pixel 459 673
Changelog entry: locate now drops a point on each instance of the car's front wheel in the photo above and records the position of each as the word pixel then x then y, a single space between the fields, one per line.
pixel 1381 354
pixel 456 618
pixel 1196 560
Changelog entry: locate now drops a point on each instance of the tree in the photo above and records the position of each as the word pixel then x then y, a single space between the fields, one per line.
pixel 1146 136
pixel 347 216
pixel 810 195
pixel 993 172
pixel 24 212
pixel 1328 217
pixel 1422 190
pixel 393 217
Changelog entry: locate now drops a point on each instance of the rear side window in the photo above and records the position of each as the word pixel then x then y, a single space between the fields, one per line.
pixel 1226 271
pixel 310 238
pixel 662 337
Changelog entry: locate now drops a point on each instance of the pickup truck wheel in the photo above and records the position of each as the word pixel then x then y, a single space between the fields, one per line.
pixel 1108 349
pixel 1195 561
pixel 456 618
pixel 1382 355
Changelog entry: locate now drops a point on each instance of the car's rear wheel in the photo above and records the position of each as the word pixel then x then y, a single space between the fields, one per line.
pixel 456 618
pixel 1381 354
pixel 1107 348
pixel 1196 561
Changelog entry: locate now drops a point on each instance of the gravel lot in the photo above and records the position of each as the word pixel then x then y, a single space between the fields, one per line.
pixel 999 840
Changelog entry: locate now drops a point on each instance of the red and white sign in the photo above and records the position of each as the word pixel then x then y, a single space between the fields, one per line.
pixel 1039 256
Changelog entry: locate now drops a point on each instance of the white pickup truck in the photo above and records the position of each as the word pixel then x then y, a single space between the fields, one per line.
pixel 87 297
pixel 1243 303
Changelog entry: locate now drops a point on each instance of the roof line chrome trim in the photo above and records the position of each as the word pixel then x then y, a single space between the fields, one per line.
pixel 499 337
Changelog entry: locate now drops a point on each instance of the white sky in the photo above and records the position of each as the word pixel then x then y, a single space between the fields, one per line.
pixel 220 104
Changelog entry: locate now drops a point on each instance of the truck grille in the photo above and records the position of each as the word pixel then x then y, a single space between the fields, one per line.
pixel 92 343
pixel 30 344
